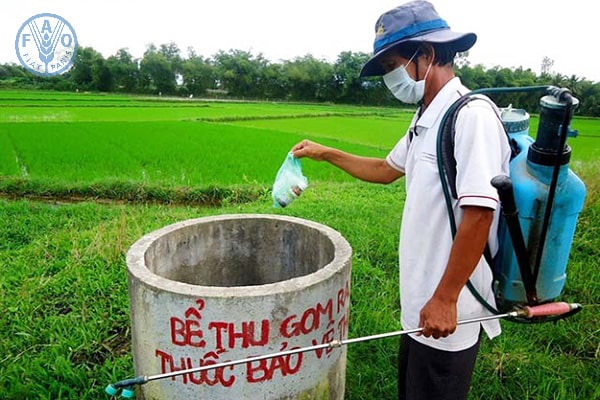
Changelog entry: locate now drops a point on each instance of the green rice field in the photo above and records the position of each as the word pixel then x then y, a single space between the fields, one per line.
pixel 84 175
pixel 171 143
pixel 86 139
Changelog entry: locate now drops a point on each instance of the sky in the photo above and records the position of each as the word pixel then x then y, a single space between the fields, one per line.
pixel 511 33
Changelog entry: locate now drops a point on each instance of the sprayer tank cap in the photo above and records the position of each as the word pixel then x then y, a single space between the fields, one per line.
pixel 552 102
pixel 514 119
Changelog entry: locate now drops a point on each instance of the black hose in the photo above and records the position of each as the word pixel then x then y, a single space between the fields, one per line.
pixel 560 95
pixel 503 185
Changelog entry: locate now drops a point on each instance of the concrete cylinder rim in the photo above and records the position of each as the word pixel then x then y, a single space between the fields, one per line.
pixel 136 265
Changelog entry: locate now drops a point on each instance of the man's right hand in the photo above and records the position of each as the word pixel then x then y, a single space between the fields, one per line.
pixel 312 150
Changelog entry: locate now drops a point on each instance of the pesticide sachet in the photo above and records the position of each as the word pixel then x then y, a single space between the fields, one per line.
pixel 289 182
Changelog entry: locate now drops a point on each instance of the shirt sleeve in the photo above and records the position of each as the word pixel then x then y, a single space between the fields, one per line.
pixel 482 152
pixel 397 157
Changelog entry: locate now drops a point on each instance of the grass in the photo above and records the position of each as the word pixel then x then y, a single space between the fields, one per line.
pixel 65 294
pixel 63 287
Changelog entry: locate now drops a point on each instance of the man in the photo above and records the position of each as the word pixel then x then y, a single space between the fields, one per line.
pixel 414 50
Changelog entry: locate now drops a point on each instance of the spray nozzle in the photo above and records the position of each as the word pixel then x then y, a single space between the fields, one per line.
pixel 127 392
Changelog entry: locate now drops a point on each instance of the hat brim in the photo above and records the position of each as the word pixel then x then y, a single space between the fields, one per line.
pixel 459 41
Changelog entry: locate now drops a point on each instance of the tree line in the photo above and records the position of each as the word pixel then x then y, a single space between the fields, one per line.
pixel 239 74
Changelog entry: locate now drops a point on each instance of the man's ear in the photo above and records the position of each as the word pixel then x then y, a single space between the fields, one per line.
pixel 428 51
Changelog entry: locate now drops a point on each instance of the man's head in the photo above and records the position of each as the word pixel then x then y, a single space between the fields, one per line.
pixel 432 53
pixel 414 29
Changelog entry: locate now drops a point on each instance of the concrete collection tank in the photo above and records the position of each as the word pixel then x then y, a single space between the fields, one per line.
pixel 222 288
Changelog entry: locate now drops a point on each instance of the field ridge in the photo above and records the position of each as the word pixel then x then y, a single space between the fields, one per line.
pixel 129 192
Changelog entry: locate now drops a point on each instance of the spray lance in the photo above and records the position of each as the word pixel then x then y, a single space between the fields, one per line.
pixel 126 387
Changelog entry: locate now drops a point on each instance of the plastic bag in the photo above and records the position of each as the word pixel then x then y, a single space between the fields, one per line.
pixel 289 182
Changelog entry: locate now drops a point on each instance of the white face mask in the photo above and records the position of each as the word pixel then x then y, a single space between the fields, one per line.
pixel 403 87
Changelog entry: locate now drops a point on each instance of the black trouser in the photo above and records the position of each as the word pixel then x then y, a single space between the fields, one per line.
pixel 425 373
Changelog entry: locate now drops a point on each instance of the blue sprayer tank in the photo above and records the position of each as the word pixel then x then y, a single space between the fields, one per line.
pixel 531 172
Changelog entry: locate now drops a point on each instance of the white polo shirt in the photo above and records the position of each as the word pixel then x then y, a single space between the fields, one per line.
pixel 481 152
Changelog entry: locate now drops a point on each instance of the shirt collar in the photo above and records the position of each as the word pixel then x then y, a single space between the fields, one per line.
pixel 449 93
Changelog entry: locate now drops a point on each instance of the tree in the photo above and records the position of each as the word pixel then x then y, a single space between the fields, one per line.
pixel 462 59
pixel 198 75
pixel 589 96
pixel 547 64
pixel 346 72
pixel 171 53
pixel 124 71
pixel 274 83
pixel 156 72
pixel 89 71
pixel 173 56
pixel 239 72
pixel 81 72
pixel 12 71
pixel 310 79
pixel 475 77
pixel 101 76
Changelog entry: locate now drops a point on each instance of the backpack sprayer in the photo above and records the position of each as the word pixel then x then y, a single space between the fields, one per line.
pixel 541 201
pixel 126 387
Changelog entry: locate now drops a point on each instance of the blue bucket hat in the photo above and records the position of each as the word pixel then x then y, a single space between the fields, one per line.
pixel 416 21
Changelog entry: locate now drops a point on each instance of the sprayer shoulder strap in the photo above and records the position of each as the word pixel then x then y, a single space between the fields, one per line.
pixel 447 172
pixel 446 146
pixel 448 133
